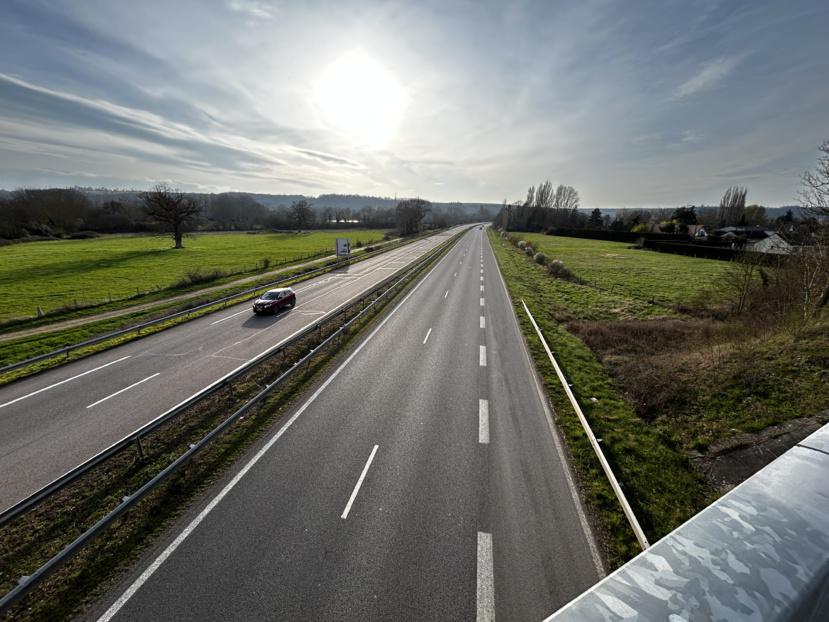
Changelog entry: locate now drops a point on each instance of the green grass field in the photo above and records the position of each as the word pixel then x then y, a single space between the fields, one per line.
pixel 55 274
pixel 643 276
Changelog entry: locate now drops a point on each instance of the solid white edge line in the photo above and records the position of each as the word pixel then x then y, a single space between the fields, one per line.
pixel 483 422
pixel 565 465
pixel 57 384
pixel 482 356
pixel 134 384
pixel 426 338
pixel 359 483
pixel 486 580
pixel 483 322
pixel 142 579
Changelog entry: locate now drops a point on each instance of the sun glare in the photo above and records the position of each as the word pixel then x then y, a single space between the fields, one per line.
pixel 360 97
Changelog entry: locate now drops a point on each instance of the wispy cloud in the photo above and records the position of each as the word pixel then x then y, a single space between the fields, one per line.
pixel 710 74
pixel 260 9
pixel 689 137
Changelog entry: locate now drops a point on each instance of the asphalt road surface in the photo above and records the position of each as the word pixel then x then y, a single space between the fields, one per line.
pixel 56 420
pixel 422 480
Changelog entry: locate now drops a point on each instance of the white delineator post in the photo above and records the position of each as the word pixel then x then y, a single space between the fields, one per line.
pixel 614 483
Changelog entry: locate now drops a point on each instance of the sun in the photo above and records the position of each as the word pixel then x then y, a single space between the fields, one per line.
pixel 359 96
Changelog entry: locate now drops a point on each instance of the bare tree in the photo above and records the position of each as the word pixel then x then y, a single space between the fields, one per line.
pixel 814 195
pixel 530 200
pixel 410 213
pixel 733 206
pixel 172 209
pixel 566 198
pixel 544 195
pixel 301 214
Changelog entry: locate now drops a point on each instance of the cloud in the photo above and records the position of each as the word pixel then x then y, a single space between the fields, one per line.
pixel 689 137
pixel 253 8
pixel 712 73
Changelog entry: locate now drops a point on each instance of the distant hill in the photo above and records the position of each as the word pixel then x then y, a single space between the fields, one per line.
pixel 274 201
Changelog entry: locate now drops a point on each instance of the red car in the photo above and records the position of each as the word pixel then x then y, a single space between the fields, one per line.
pixel 274 299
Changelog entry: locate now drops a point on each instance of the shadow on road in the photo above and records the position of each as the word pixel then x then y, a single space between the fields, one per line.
pixel 264 321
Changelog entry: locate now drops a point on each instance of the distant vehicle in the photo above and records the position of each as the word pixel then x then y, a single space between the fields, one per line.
pixel 274 299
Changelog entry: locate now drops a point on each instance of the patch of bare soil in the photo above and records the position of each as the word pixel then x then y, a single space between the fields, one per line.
pixel 734 460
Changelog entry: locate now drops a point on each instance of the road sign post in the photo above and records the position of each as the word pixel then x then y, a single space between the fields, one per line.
pixel 343 247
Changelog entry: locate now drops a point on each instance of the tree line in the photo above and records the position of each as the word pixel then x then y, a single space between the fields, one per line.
pixel 546 208
pixel 69 212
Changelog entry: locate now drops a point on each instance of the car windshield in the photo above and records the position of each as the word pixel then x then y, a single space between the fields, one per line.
pixel 271 295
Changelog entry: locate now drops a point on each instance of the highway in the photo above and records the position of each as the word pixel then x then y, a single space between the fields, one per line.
pixel 53 421
pixel 421 480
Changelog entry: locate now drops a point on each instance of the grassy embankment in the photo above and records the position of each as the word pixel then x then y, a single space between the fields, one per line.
pixel 66 274
pixel 639 332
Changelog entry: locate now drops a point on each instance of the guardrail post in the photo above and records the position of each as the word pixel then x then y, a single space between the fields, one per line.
pixel 139 448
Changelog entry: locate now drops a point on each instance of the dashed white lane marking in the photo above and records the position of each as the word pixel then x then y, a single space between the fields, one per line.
pixel 483 322
pixel 482 356
pixel 482 278
pixel 57 384
pixel 245 310
pixel 134 384
pixel 482 302
pixel 359 483
pixel 482 288
pixel 446 294
pixel 486 579
pixel 426 338
pixel 456 274
pixel 483 422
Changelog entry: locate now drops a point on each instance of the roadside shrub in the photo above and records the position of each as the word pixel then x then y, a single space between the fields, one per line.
pixel 84 235
pixel 557 269
pixel 358 244
pixel 540 259
pixel 265 262
pixel 522 244
pixel 529 250
pixel 369 248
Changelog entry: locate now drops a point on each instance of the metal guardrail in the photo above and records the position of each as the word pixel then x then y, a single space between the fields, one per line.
pixel 139 327
pixel 25 584
pixel 614 483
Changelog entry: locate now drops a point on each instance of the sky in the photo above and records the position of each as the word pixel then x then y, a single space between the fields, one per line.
pixel 634 103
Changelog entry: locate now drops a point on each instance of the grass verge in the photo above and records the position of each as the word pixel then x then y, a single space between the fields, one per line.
pixel 689 396
pixel 658 482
